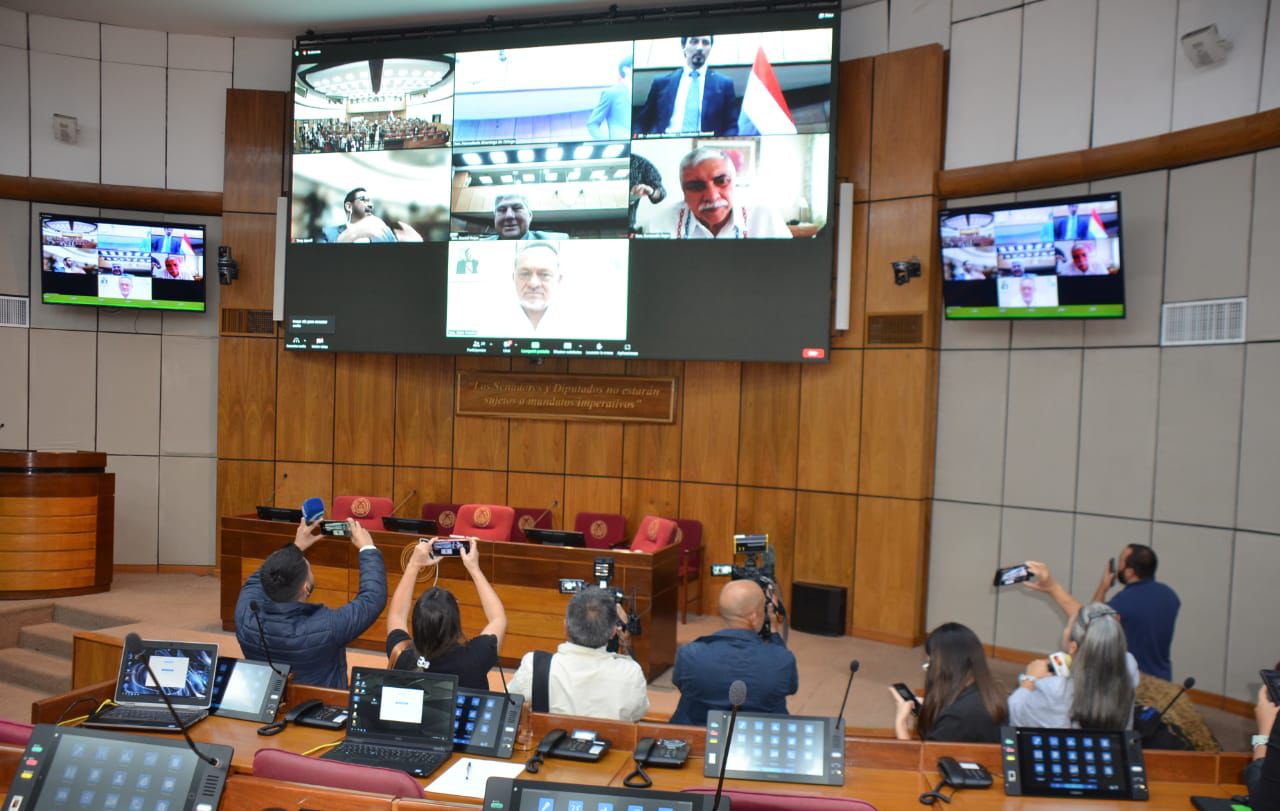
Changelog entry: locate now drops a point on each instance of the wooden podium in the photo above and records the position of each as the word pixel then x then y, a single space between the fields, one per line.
pixel 57 522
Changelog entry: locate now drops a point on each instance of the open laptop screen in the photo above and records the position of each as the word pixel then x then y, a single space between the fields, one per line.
pixel 405 706
pixel 185 671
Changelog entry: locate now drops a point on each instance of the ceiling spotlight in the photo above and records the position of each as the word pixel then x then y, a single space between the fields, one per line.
pixel 554 153
pixel 612 151
pixel 525 156
pixel 583 152
pixel 498 157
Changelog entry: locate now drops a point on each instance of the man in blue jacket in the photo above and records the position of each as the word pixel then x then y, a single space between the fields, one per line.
pixel 691 99
pixel 310 637
pixel 708 665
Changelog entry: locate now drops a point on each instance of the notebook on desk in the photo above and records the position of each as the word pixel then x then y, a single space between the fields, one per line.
pixel 400 719
pixel 185 671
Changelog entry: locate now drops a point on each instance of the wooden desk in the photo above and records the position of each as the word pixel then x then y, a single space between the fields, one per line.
pixel 526 577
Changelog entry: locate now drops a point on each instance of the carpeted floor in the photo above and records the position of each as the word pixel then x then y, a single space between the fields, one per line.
pixel 191 601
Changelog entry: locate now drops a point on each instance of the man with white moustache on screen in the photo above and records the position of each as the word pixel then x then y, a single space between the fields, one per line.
pixel 709 210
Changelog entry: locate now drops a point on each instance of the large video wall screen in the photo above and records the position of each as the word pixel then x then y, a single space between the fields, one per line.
pixel 647 189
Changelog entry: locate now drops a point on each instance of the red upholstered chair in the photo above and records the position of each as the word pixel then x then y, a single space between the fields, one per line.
pixel 489 522
pixel 15 733
pixel 367 510
pixel 277 764
pixel 654 534
pixel 602 530
pixel 528 518
pixel 689 536
pixel 445 516
pixel 742 800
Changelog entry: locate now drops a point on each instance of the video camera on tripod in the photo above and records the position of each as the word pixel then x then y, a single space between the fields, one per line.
pixel 758 566
pixel 604 569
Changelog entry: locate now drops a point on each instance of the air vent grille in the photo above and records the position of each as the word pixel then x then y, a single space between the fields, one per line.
pixel 1219 321
pixel 15 311
pixel 894 330
pixel 247 322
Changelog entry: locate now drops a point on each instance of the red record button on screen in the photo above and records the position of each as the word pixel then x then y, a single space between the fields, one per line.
pixel 813 353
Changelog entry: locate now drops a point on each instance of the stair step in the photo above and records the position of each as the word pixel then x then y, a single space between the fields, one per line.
pixel 87 619
pixel 52 638
pixel 15 702
pixel 36 670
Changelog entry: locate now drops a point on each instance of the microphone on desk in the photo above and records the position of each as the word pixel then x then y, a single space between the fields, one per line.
pixel 1187 684
pixel 737 697
pixel 271 499
pixel 313 509
pixel 262 637
pixel 555 502
pixel 853 671
pixel 404 501
pixel 133 645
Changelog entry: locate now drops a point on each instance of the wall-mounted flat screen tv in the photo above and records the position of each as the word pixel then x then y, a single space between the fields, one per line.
pixel 109 262
pixel 1045 259
pixel 655 186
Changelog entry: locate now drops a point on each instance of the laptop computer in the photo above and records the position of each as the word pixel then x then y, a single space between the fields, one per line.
pixel 400 719
pixel 556 537
pixel 185 671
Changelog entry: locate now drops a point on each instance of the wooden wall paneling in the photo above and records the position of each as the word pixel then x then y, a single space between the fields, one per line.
pixel 890 570
pixel 363 480
pixel 424 411
pixel 853 336
pixel 298 481
pixel 772 511
pixel 830 423
pixel 641 497
pixel 479 487
pixel 416 486
pixel 364 409
pixel 853 124
pixel 304 406
pixel 898 230
pixel 907 122
pixel 481 442
pixel 246 398
pixel 243 485
pixel 590 494
pixel 899 410
pixel 538 490
pixel 709 422
pixel 252 238
pixel 538 445
pixel 254 156
pixel 597 366
pixel 594 449
pixel 106 195
pixel 716 507
pixel 826 536
pixel 769 432
pixel 652 450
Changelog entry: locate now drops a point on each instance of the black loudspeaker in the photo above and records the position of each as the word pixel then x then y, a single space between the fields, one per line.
pixel 818 609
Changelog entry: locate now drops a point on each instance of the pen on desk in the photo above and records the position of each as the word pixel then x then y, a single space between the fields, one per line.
pixel 468 776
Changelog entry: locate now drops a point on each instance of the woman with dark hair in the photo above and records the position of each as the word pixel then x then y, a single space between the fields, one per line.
pixel 437 643
pixel 961 700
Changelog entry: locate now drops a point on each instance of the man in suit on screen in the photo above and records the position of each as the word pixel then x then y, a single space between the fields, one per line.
pixel 691 99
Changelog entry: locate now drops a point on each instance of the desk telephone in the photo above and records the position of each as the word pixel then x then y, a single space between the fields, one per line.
pixel 957 775
pixel 668 752
pixel 581 745
pixel 315 713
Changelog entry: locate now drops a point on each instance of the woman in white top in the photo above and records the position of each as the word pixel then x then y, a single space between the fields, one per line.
pixel 1098 694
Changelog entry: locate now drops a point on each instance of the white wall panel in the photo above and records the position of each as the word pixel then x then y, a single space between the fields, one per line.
pixel 1143 202
pixel 197 127
pixel 1196 563
pixel 15 247
pixel 13 394
pixel 1025 619
pixel 1197 440
pixel 134 46
pixel 187 519
pixel 1228 90
pixel 63 404
pixel 864 31
pixel 267 64
pixel 982 106
pixel 975 334
pixel 1207 252
pixel 133 125
pixel 1118 432
pixel 1044 410
pixel 70 86
pixel 972 392
pixel 1264 247
pixel 137 505
pixel 1054 110
pixel 128 394
pixel 59 36
pixel 1133 77
pixel 1260 440
pixel 13 28
pixel 963 553
pixel 1270 97
pixel 54 316
pixel 1253 590
pixel 15 124
pixel 189 396
pixel 1098 539
pixel 919 22
pixel 964 9
pixel 196 52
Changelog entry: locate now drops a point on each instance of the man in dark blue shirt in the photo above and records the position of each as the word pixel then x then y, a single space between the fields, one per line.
pixel 708 665
pixel 1148 609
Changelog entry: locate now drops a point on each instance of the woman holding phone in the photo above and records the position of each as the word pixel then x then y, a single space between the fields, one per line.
pixel 962 702
pixel 437 643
